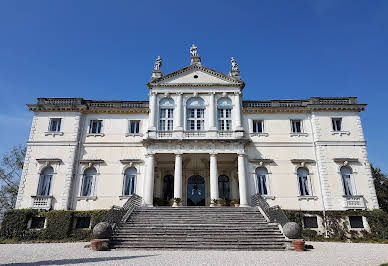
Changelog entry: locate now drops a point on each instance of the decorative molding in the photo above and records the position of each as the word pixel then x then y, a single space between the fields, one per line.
pixel 302 162
pixel 340 133
pixel 261 162
pixel 53 133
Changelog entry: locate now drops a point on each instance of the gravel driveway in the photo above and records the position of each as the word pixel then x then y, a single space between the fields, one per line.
pixel 75 254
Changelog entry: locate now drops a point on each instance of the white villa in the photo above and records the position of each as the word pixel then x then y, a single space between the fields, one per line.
pixel 196 139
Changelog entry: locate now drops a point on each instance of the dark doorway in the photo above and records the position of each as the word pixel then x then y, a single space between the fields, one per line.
pixel 168 187
pixel 196 191
pixel 224 187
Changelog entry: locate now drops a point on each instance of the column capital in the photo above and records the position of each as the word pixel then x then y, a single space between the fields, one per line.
pixel 178 154
pixel 212 93
pixel 179 93
pixel 241 153
pixel 213 153
pixel 152 93
pixel 150 154
pixel 237 93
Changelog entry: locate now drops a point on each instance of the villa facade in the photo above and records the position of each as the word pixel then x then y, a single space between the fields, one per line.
pixel 196 139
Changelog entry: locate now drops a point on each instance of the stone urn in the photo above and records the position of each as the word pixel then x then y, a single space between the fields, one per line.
pixel 293 231
pixel 101 233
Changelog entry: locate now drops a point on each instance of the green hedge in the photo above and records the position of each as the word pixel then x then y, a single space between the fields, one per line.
pixel 338 226
pixel 59 224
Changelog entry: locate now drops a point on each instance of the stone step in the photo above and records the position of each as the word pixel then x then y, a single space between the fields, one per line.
pixel 198 238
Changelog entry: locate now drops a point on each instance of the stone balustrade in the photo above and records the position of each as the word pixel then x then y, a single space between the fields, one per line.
pixel 195 135
pixel 41 202
pixel 354 202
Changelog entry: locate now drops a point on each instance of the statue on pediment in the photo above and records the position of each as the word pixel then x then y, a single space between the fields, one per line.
pixel 234 64
pixel 158 63
pixel 193 50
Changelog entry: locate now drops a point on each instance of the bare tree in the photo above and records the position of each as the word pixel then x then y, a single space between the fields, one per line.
pixel 11 166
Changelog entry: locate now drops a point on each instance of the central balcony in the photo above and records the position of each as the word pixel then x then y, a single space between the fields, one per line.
pixel 195 135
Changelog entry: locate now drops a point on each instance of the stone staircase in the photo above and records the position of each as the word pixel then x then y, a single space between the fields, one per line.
pixel 198 228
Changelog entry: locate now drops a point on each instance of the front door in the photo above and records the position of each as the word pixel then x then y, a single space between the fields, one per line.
pixel 196 191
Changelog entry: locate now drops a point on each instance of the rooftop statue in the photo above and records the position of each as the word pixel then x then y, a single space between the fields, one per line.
pixel 234 64
pixel 193 50
pixel 158 63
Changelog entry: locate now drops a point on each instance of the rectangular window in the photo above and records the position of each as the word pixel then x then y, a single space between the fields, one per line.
pixel 166 119
pixel 310 222
pixel 95 126
pixel 55 125
pixel 82 222
pixel 224 119
pixel 134 126
pixel 258 126
pixel 356 222
pixel 195 119
pixel 337 124
pixel 296 126
pixel 37 222
pixel 44 185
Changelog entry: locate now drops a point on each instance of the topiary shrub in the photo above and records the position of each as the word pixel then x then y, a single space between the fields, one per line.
pixel 59 224
pixel 309 234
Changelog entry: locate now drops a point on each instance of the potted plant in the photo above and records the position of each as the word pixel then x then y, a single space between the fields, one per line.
pixel 235 203
pixel 220 202
pixel 213 202
pixel 298 244
pixel 177 202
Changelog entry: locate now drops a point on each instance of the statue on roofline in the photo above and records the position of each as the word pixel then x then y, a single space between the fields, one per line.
pixel 158 63
pixel 234 64
pixel 193 50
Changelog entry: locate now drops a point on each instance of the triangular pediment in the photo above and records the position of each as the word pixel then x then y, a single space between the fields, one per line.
pixel 195 75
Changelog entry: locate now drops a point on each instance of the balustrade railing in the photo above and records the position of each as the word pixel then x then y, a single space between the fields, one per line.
pixel 41 202
pixel 275 214
pixel 354 202
pixel 118 214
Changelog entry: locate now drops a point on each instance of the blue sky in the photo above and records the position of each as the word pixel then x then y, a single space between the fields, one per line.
pixel 106 50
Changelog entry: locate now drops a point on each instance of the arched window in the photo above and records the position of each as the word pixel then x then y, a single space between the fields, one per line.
pixel 195 112
pixel 166 114
pixel 224 114
pixel 346 174
pixel 168 187
pixel 45 181
pixel 129 187
pixel 88 182
pixel 262 182
pixel 224 187
pixel 303 181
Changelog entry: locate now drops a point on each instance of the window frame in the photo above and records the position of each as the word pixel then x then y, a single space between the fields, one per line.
pixel 266 182
pixel 256 122
pixel 292 126
pixel 307 187
pixel 134 178
pixel 42 189
pixel 167 120
pixel 133 121
pixel 93 183
pixel 91 127
pixel 58 125
pixel 197 119
pixel 224 122
pixel 335 125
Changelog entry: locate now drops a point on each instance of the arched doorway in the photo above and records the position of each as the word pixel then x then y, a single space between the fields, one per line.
pixel 196 191
pixel 224 187
pixel 168 187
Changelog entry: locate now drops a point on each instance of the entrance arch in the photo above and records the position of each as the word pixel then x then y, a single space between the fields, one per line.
pixel 196 191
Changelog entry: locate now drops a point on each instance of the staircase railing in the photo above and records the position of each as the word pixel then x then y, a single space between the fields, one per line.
pixel 275 214
pixel 119 214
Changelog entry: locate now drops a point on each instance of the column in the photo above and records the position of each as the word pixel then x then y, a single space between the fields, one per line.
pixel 149 180
pixel 178 113
pixel 242 181
pixel 212 112
pixel 152 114
pixel 213 178
pixel 178 178
pixel 237 108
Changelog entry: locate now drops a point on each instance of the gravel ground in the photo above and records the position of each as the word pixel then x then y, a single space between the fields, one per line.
pixel 75 254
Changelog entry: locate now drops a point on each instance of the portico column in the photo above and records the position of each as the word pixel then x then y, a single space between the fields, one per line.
pixel 149 180
pixel 238 107
pixel 178 115
pixel 152 115
pixel 178 178
pixel 242 180
pixel 212 112
pixel 213 178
